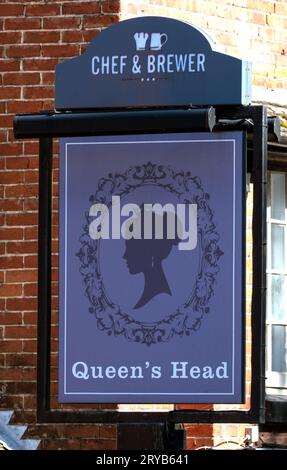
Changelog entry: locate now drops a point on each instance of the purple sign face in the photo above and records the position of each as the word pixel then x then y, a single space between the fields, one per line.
pixel 151 289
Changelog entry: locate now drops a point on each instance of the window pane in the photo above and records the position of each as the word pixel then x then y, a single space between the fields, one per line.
pixel 267 355
pixel 278 196
pixel 278 247
pixel 278 298
pixel 279 359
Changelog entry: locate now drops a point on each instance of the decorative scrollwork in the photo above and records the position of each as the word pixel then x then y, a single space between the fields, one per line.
pixel 188 316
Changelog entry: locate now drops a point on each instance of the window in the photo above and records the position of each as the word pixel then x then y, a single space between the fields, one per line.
pixel 276 323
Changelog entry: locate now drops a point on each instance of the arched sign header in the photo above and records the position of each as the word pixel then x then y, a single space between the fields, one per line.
pixel 151 61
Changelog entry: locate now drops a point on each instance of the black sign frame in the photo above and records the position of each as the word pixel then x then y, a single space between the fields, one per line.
pixel 47 125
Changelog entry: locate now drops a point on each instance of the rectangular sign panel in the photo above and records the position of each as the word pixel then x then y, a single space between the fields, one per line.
pixel 151 268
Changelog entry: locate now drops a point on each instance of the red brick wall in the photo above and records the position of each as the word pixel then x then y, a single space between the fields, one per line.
pixel 34 37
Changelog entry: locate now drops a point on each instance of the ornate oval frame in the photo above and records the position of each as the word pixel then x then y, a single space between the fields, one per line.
pixel 187 317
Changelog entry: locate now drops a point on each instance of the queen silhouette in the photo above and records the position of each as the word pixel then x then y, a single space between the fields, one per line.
pixel 146 256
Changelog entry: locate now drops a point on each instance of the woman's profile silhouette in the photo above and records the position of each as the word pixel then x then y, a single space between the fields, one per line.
pixel 146 256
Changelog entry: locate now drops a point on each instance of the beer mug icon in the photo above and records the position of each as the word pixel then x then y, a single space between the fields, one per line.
pixel 157 40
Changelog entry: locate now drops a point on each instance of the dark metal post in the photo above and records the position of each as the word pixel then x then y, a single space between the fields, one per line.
pixel 51 124
pixel 259 171
pixel 44 276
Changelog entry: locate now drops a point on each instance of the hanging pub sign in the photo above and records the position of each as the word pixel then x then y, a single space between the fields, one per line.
pixel 151 249
pixel 151 225
pixel 151 61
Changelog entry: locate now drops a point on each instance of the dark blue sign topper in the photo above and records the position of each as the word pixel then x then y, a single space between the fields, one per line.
pixel 152 61
pixel 151 303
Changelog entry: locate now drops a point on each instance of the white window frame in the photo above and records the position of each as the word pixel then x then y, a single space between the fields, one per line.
pixel 276 382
